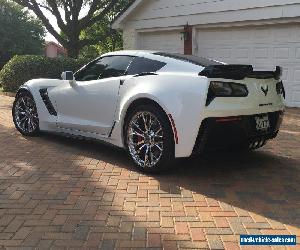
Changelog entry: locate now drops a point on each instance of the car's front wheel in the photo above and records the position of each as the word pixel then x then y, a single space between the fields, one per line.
pixel 149 138
pixel 25 114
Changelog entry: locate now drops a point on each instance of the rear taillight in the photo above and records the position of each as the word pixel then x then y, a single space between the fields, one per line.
pixel 225 89
pixel 280 89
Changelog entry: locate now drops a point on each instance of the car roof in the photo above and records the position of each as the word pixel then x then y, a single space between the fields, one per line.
pixel 130 53
pixel 166 57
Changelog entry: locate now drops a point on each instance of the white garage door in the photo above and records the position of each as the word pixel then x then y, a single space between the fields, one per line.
pixel 168 41
pixel 263 47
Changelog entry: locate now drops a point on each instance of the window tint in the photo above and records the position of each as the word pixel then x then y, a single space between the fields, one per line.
pixel 115 66
pixel 141 65
pixel 204 62
pixel 111 66
pixel 90 72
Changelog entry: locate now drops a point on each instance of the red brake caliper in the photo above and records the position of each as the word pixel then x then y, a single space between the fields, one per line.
pixel 140 138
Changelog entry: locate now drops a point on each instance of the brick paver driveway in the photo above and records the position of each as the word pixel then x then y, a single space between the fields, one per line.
pixel 65 193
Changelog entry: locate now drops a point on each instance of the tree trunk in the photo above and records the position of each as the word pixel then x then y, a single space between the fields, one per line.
pixel 73 49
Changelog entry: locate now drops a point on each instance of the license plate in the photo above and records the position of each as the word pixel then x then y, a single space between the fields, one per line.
pixel 262 123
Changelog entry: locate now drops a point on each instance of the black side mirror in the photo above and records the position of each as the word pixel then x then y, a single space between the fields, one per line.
pixel 67 75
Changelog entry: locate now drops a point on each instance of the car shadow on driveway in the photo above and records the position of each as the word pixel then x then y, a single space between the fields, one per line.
pixel 71 192
pixel 259 181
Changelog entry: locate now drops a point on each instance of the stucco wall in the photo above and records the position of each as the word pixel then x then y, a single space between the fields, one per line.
pixel 129 38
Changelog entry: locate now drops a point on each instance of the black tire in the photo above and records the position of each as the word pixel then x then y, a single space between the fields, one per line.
pixel 168 151
pixel 35 129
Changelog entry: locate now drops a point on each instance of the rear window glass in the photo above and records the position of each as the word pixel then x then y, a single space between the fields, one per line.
pixel 144 65
pixel 200 61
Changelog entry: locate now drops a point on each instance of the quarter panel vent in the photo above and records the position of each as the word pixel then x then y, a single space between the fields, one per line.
pixel 47 102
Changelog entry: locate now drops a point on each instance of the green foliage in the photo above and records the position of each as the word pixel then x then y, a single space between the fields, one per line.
pixel 108 39
pixel 20 32
pixel 20 69
pixel 108 43
pixel 71 24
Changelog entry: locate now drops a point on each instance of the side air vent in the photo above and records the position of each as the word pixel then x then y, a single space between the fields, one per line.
pixel 48 103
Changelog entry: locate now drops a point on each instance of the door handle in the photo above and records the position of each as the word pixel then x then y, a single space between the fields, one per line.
pixel 122 81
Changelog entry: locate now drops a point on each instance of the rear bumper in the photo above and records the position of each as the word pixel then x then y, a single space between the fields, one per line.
pixel 224 132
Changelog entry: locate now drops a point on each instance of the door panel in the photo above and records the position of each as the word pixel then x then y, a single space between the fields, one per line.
pixel 89 103
pixel 87 106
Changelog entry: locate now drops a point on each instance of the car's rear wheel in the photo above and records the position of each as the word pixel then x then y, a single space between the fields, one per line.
pixel 25 114
pixel 149 138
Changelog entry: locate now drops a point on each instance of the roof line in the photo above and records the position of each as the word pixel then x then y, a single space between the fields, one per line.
pixel 117 22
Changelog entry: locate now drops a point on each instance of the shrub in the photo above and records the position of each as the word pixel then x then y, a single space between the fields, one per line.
pixel 20 69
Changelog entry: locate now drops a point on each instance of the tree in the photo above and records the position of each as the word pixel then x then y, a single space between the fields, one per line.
pixel 109 43
pixel 71 25
pixel 20 32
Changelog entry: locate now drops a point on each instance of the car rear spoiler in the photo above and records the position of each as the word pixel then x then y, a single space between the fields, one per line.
pixel 239 72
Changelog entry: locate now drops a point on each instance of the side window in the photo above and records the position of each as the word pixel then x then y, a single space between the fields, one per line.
pixel 140 65
pixel 90 72
pixel 115 66
pixel 111 66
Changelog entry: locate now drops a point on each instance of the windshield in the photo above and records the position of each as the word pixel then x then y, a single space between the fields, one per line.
pixel 200 61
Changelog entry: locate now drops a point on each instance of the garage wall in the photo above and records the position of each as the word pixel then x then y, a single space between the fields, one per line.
pixel 264 47
pixel 172 13
pixel 129 38
pixel 170 8
pixel 168 41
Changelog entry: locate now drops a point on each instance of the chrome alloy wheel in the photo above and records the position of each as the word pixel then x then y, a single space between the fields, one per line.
pixel 26 116
pixel 145 139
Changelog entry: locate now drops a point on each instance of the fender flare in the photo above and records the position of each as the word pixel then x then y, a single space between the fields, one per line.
pixel 125 107
pixel 23 88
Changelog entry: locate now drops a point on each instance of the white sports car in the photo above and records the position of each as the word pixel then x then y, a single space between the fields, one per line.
pixel 158 106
